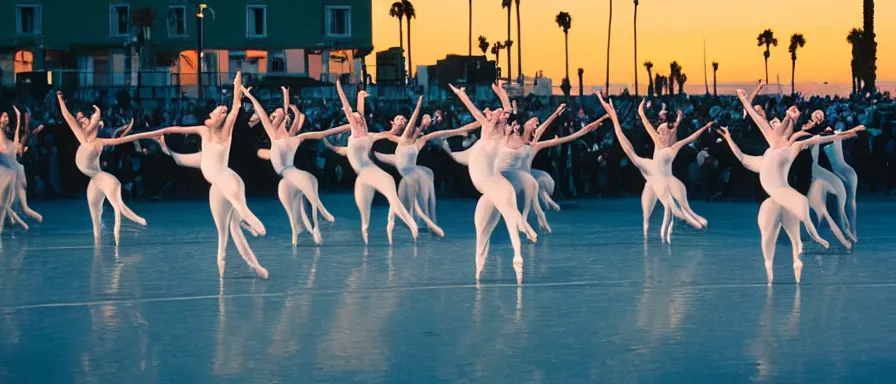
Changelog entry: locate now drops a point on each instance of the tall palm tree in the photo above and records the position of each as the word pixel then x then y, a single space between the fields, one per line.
pixel 869 50
pixel 681 78
pixel 767 38
pixel 508 4
pixel 519 45
pixel 581 73
pixel 856 39
pixel 609 29
pixel 497 47
pixel 674 71
pixel 470 39
pixel 636 51
pixel 715 68
pixel 649 66
pixel 397 11
pixel 564 21
pixel 483 44
pixel 796 41
pixel 409 13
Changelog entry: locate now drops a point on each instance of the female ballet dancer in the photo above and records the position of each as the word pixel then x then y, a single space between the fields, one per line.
pixel 295 183
pixel 778 158
pixel 102 185
pixel 227 197
pixel 664 152
pixel 772 215
pixel 9 159
pixel 416 187
pixel 8 174
pixel 498 195
pixel 823 183
pixel 370 178
pixel 546 183
pixel 850 180
pixel 653 175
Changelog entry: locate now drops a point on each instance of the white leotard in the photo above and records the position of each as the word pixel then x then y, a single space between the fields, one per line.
pixel 406 159
pixel 359 152
pixel 283 152
pixel 214 159
pixel 87 158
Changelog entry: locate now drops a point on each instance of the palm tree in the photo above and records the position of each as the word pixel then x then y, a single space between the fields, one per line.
pixel 409 13
pixel 674 71
pixel 497 47
pixel 636 53
pixel 869 50
pixel 508 4
pixel 659 84
pixel 581 73
pixel 715 68
pixel 609 29
pixel 796 41
pixel 649 66
pixel 856 38
pixel 483 44
pixel 519 45
pixel 767 38
pixel 564 21
pixel 397 11
pixel 470 39
pixel 681 78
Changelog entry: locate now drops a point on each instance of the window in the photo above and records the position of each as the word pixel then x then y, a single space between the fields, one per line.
pixel 177 21
pixel 119 19
pixel 28 19
pixel 256 21
pixel 338 21
pixel 278 65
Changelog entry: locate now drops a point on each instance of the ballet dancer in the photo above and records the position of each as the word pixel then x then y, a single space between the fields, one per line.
pixel 823 183
pixel 14 149
pixel 370 178
pixel 227 198
pixel 653 175
pixel 665 150
pixel 102 185
pixel 498 195
pixel 416 187
pixel 8 173
pixel 532 135
pixel 295 183
pixel 850 180
pixel 778 158
pixel 772 215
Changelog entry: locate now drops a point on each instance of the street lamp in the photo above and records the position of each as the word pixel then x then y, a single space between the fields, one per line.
pixel 200 17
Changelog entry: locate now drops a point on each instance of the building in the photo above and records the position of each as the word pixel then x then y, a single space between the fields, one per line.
pixel 115 43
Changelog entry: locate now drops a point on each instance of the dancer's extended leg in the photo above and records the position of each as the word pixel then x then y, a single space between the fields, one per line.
pixel 792 227
pixel 288 196
pixel 21 189
pixel 243 247
pixel 648 202
pixel 797 205
pixel 817 198
pixel 680 194
pixel 309 189
pixel 841 195
pixel 769 221
pixel 546 188
pixel 520 185
pixel 222 213
pixel 383 183
pixel 232 188
pixel 851 182
pixel 485 219
pixel 95 198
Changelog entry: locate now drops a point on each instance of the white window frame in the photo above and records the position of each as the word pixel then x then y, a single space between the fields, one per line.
pixel 328 20
pixel 38 16
pixel 113 20
pixel 250 14
pixel 184 21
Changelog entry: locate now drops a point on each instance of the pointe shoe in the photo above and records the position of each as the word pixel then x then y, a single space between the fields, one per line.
pixel 221 264
pixel 437 231
pixel 262 273
pixel 141 221
pixel 316 234
pixel 364 235
pixel 797 270
pixel 249 229
pixel 769 273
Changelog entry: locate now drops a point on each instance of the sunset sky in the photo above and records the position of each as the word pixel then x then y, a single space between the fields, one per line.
pixel 667 30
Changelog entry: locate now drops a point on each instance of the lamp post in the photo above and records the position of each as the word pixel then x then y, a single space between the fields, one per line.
pixel 200 17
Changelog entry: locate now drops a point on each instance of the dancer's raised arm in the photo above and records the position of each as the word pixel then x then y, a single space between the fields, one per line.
pixel 71 120
pixel 123 130
pixel 262 115
pixel 620 136
pixel 687 140
pixel 753 95
pixel 15 136
pixel 94 123
pixel 298 122
pixel 761 122
pixel 189 160
pixel 343 151
pixel 647 126
pixel 575 136
pixel 128 139
pixel 462 131
pixel 499 90
pixel 547 123
pixel 462 157
pixel 322 134
pixel 230 121
pixel 192 130
pixel 412 123
pixel 818 139
pixel 475 112
pixel 359 107
pixel 750 162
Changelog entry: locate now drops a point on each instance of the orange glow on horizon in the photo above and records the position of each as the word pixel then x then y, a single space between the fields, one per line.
pixel 667 31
